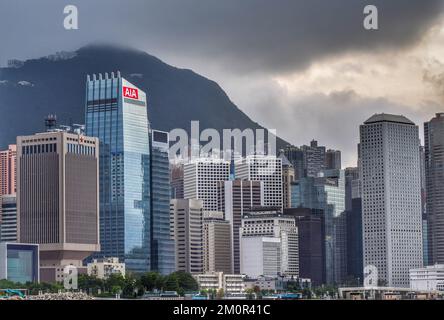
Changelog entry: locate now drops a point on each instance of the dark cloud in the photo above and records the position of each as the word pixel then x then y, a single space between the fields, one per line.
pixel 249 35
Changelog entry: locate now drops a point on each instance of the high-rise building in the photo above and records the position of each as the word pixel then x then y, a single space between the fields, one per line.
pixel 354 224
pixel 218 253
pixel 268 170
pixel 288 177
pixel 187 232
pixel 261 256
pixel 176 173
pixel 237 198
pixel 333 159
pixel 311 235
pixel 434 162
pixel 425 238
pixel 327 193
pixel 8 218
pixel 57 198
pixel 296 157
pixel 314 159
pixel 200 180
pixel 8 170
pixel 391 197
pixel 116 113
pixel 272 226
pixel 162 245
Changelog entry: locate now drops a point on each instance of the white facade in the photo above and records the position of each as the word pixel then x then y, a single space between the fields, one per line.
pixel 8 218
pixel 260 256
pixel 429 278
pixel 267 169
pixel 103 268
pixel 391 197
pixel 282 228
pixel 200 180
pixel 232 284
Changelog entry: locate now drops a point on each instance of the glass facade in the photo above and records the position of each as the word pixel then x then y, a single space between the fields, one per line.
pixel 328 194
pixel 116 113
pixel 162 245
pixel 22 262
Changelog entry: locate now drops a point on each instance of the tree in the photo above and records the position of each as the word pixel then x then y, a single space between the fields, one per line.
pixel 151 281
pixel 220 293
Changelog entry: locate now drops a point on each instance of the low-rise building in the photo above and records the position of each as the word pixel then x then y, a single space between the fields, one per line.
pixel 231 284
pixel 430 278
pixel 19 262
pixel 103 268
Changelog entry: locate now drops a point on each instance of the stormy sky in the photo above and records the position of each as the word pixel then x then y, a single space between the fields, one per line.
pixel 305 67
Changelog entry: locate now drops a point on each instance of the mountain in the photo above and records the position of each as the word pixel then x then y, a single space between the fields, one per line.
pixel 32 89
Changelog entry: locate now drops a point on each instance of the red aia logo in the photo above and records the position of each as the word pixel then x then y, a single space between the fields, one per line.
pixel 131 93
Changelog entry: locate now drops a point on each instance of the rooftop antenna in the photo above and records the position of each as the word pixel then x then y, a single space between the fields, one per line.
pixel 51 122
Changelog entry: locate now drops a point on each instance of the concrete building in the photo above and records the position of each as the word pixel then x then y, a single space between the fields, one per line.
pixel 314 159
pixel 288 177
pixel 268 231
pixel 19 262
pixel 200 180
pixel 434 173
pixel 176 174
pixel 187 232
pixel 103 268
pixel 8 218
pixel 218 253
pixel 391 197
pixel 231 284
pixel 333 160
pixel 296 157
pixel 162 246
pixel 57 198
pixel 8 170
pixel 116 113
pixel 311 239
pixel 430 278
pixel 236 199
pixel 267 169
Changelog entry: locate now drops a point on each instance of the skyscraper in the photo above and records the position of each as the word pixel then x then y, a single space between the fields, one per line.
pixel 314 159
pixel 288 177
pixel 116 113
pixel 391 197
pixel 200 180
pixel 333 159
pixel 217 241
pixel 237 198
pixel 434 162
pixel 162 245
pixel 8 170
pixel 187 231
pixel 267 169
pixel 8 218
pixel 57 198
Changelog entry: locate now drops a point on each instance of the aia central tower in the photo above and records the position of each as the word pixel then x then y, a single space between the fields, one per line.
pixel 116 113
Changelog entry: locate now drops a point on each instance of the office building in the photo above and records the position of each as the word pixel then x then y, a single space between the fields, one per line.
pixel 327 193
pixel 162 245
pixel 200 180
pixel 296 157
pixel 19 262
pixel 8 170
pixel 288 177
pixel 237 198
pixel 116 113
pixel 391 197
pixel 260 256
pixel 187 231
pixel 430 278
pixel 333 159
pixel 311 238
pixel 268 229
pixel 176 173
pixel 57 198
pixel 314 159
pixel 217 243
pixel 8 218
pixel 104 268
pixel 268 170
pixel 434 177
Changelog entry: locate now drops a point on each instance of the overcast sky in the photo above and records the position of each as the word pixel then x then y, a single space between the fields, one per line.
pixel 305 67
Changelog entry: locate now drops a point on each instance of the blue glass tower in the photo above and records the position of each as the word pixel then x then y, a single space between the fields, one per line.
pixel 162 245
pixel 116 113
